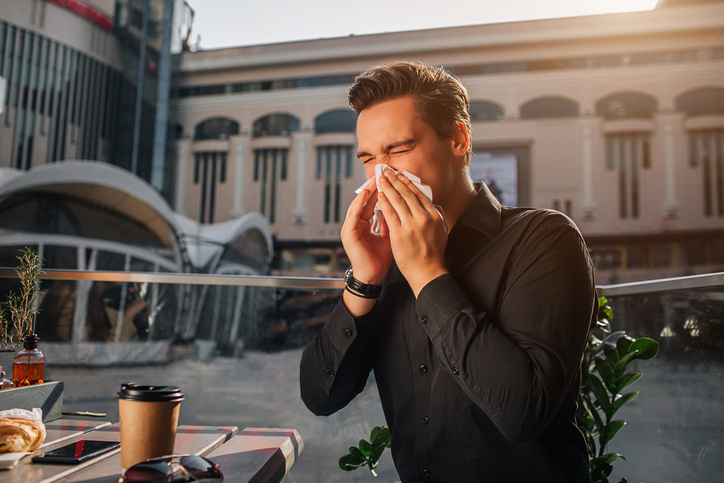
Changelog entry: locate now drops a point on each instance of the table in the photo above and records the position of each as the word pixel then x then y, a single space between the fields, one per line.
pixel 254 454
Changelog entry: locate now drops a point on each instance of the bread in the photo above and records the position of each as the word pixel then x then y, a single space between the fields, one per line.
pixel 18 435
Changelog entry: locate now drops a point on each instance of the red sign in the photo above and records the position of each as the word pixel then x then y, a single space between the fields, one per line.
pixel 86 11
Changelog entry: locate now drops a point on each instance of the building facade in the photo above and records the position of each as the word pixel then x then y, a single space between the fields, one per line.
pixel 91 80
pixel 616 120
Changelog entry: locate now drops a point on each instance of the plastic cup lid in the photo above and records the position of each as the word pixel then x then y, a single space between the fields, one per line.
pixel 132 392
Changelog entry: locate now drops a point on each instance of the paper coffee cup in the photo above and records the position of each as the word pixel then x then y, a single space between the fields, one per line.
pixel 149 418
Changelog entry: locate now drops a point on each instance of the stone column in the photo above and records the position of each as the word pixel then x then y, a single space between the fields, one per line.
pixel 182 155
pixel 671 207
pixel 590 208
pixel 241 145
pixel 300 213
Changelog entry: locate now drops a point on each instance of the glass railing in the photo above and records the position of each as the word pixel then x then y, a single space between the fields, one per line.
pixel 233 344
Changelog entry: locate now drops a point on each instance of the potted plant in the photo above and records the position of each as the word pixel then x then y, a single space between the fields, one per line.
pixel 17 320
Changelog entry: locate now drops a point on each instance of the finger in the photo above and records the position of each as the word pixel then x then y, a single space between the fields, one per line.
pixel 391 216
pixel 358 204
pixel 393 197
pixel 369 208
pixel 423 200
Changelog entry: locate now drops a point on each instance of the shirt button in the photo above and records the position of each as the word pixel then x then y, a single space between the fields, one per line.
pixel 426 473
pixel 330 373
pixel 348 333
pixel 423 320
pixel 456 371
pixel 423 368
pixel 425 420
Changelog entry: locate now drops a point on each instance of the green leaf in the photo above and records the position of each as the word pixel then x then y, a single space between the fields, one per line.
pixel 614 427
pixel 623 345
pixel 620 401
pixel 592 412
pixel 610 352
pixel 622 364
pixel 605 459
pixel 382 435
pixel 377 450
pixel 349 463
pixel 358 456
pixel 600 392
pixel 627 379
pixel 365 447
pixel 605 370
pixel 645 348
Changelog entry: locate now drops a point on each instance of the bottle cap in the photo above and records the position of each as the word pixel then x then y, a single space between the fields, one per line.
pixel 30 342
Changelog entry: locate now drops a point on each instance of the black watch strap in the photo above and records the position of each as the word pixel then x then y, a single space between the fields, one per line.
pixel 364 290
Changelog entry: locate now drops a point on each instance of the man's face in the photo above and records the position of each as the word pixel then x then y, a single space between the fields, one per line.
pixel 392 134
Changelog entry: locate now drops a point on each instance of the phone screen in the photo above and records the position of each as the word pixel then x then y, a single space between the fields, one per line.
pixel 77 452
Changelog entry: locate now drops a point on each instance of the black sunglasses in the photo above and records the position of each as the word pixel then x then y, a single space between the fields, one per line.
pixel 158 470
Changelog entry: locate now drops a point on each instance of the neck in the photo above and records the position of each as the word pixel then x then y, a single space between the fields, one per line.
pixel 460 199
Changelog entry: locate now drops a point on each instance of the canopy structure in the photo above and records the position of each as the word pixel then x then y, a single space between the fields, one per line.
pixel 89 215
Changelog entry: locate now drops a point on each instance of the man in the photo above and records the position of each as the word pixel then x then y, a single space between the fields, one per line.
pixel 473 316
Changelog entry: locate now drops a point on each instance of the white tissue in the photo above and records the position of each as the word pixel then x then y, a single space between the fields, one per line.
pixel 379 169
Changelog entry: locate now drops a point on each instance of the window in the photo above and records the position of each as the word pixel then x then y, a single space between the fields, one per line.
pixel 216 128
pixel 332 163
pixel 626 105
pixel 628 153
pixel 549 107
pixel 342 120
pixel 270 167
pixel 275 125
pixel 209 170
pixel 702 102
pixel 706 150
pixel 485 111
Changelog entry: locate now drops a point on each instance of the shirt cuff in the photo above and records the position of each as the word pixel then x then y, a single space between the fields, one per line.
pixel 343 328
pixel 439 302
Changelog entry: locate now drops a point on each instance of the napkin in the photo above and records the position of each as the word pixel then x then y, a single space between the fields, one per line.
pixel 379 169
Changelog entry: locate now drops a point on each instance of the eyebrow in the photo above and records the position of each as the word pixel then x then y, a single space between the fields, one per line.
pixel 388 148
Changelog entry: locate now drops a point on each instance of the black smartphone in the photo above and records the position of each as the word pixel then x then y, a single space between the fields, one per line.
pixel 74 453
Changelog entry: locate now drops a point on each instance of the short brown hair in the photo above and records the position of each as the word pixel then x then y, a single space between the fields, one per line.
pixel 440 99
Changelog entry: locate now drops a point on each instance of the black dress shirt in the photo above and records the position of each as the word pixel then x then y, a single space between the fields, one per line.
pixel 480 375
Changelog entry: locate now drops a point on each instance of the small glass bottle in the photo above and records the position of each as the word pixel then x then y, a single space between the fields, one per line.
pixel 29 363
pixel 4 383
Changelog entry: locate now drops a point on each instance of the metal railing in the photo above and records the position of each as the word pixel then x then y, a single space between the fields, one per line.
pixel 691 282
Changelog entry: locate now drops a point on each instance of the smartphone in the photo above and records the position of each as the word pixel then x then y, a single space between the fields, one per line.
pixel 74 453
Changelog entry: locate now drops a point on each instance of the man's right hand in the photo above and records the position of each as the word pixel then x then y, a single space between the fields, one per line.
pixel 370 254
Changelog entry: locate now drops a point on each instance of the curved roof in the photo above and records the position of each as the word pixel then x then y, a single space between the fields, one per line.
pixel 123 192
pixel 103 184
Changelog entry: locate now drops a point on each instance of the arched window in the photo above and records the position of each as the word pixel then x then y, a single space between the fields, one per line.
pixel 485 111
pixel 216 128
pixel 275 125
pixel 549 107
pixel 626 105
pixel 702 102
pixel 341 120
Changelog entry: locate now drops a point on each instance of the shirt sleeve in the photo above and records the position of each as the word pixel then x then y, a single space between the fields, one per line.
pixel 334 368
pixel 518 365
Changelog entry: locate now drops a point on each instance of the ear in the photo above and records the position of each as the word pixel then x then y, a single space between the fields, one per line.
pixel 460 139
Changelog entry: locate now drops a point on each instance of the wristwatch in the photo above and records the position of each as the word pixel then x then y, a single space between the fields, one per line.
pixel 363 290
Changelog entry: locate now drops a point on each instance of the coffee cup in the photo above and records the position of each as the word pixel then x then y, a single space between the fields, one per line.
pixel 149 418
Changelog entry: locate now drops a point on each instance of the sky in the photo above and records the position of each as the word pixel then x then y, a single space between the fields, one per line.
pixel 229 23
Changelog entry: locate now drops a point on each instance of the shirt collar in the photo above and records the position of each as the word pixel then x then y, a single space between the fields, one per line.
pixel 483 213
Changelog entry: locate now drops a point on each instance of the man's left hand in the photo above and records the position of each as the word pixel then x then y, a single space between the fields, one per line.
pixel 417 230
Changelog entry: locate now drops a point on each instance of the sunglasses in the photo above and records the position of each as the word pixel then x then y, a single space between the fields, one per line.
pixel 158 470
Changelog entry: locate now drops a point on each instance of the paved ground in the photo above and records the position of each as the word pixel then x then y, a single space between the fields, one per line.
pixel 675 431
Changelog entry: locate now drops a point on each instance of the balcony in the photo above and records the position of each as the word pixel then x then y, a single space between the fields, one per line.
pixel 233 344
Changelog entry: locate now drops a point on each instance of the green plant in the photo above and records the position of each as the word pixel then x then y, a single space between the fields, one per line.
pixel 369 452
pixel 604 376
pixel 22 307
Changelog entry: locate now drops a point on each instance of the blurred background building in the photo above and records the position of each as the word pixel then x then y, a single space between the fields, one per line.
pixel 86 171
pixel 616 120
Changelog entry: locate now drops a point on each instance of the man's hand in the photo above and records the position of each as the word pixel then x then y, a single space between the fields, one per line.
pixel 416 229
pixel 370 254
